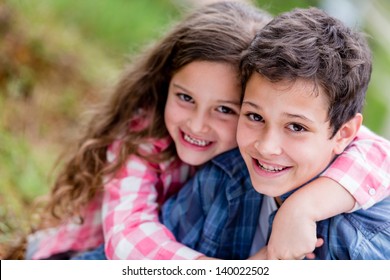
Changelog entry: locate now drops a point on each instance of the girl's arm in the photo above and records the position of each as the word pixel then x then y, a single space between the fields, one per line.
pixel 130 216
pixel 69 236
pixel 358 178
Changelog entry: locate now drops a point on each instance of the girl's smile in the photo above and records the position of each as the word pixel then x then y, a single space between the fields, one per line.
pixel 195 141
pixel 201 113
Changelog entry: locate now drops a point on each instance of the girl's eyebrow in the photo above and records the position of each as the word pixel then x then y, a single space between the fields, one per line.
pixel 237 103
pixel 181 87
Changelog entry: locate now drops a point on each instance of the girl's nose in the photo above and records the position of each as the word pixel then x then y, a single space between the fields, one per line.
pixel 199 123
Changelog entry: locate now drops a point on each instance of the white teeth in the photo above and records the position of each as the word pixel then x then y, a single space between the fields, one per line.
pixel 269 168
pixel 197 142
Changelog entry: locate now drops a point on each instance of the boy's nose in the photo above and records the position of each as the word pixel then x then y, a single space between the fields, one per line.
pixel 268 143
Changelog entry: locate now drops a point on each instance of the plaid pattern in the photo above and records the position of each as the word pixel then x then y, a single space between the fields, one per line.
pixel 361 235
pixel 128 221
pixel 71 236
pixel 217 213
pixel 364 169
pixel 130 211
pixel 132 200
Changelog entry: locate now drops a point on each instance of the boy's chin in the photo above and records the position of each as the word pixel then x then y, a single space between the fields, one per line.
pixel 266 191
pixel 273 191
pixel 194 161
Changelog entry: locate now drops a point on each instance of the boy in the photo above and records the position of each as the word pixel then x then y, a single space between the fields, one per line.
pixel 305 76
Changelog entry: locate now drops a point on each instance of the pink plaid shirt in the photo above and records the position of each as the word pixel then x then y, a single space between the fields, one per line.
pixel 364 168
pixel 130 210
pixel 125 217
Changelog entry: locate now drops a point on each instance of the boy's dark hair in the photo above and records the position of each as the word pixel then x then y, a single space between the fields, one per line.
pixel 308 44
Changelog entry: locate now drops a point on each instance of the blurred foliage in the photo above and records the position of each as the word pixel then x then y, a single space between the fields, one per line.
pixel 116 26
pixel 58 57
pixel 277 6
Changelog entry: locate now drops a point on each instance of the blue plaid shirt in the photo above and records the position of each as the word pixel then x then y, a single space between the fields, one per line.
pixel 217 213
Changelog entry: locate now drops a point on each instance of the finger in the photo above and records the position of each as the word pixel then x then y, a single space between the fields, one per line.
pixel 272 257
pixel 310 256
pixel 319 242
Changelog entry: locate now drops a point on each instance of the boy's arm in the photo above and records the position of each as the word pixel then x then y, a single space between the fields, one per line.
pixel 357 178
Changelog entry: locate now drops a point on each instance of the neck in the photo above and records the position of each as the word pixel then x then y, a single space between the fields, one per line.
pixel 278 201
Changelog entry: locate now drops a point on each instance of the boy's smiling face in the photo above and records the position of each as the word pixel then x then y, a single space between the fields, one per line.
pixel 283 134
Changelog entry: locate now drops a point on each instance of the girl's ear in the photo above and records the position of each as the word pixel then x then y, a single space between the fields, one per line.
pixel 347 133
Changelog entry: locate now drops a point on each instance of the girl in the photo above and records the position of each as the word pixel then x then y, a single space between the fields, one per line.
pixel 175 108
pixel 126 163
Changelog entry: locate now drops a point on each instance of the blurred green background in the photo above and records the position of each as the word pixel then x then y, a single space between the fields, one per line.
pixel 58 57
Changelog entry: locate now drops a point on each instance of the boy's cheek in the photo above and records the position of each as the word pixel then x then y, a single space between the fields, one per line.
pixel 240 131
pixel 245 136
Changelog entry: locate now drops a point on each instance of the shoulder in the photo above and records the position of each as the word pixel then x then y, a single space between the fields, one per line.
pixel 231 163
pixel 149 147
pixel 373 219
pixel 368 222
pixel 364 234
pixel 226 173
pixel 369 144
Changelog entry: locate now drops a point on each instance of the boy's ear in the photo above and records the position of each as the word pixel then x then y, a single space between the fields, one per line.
pixel 347 132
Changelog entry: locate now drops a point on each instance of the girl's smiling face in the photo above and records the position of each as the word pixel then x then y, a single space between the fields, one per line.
pixel 202 110
pixel 284 134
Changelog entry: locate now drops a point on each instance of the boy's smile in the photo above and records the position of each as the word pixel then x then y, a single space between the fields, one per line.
pixel 283 134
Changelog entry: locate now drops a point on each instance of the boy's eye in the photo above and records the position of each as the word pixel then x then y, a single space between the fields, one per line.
pixel 225 110
pixel 296 127
pixel 185 97
pixel 254 117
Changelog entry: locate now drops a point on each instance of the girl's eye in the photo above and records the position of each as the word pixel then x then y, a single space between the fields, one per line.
pixel 225 110
pixel 296 127
pixel 185 97
pixel 254 117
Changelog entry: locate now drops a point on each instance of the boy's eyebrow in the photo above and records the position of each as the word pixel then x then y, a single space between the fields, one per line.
pixel 245 102
pixel 295 116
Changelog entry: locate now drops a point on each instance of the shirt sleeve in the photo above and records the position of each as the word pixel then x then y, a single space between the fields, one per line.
pixel 130 217
pixel 363 169
pixel 71 236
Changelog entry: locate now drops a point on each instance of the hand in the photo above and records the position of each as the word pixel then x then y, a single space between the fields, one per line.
pixel 294 229
pixel 293 234
pixel 319 243
pixel 260 255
